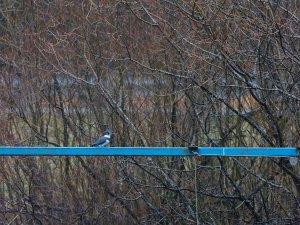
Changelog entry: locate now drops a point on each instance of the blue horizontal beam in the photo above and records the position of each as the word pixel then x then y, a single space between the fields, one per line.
pixel 146 151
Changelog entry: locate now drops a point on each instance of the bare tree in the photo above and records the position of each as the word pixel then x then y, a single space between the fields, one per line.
pixel 167 73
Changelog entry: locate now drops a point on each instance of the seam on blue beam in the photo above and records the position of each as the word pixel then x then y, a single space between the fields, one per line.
pixel 148 151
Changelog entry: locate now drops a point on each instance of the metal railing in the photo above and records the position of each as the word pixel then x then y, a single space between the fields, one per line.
pixel 148 151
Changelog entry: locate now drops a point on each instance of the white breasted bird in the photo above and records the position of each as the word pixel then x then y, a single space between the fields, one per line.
pixel 103 140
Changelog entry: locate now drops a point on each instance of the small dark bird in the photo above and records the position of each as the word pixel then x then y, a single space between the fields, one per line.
pixel 103 140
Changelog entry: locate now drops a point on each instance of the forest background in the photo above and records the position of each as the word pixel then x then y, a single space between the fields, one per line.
pixel 158 73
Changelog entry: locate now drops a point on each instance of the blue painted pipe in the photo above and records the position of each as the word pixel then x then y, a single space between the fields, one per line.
pixel 148 151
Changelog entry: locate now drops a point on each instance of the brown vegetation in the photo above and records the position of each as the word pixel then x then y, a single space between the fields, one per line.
pixel 159 73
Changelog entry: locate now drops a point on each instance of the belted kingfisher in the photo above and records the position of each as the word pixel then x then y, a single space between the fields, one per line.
pixel 103 140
